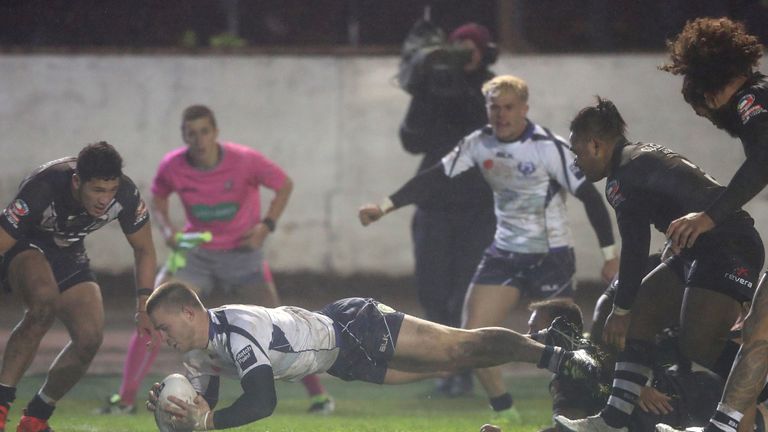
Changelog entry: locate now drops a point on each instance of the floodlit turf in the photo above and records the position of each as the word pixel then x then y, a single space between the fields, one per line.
pixel 360 407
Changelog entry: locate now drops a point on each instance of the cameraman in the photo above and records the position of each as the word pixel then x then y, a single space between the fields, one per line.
pixel 451 231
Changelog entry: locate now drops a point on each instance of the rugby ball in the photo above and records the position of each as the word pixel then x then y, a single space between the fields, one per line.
pixel 173 385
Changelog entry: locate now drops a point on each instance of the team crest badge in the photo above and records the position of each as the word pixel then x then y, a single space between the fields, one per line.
pixel 613 193
pixel 526 168
pixel 748 108
pixel 20 208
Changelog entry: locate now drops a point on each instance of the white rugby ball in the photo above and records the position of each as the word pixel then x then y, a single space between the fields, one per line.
pixel 173 385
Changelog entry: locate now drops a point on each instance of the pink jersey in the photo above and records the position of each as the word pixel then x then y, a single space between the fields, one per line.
pixel 224 200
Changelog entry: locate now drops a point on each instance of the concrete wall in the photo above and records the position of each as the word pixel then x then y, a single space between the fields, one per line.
pixel 330 122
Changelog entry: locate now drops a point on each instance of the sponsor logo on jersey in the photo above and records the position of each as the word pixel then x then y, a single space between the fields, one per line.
pixel 613 193
pixel 739 275
pixel 207 213
pixel 748 108
pixel 488 164
pixel 504 155
pixel 245 358
pixel 526 168
pixel 12 218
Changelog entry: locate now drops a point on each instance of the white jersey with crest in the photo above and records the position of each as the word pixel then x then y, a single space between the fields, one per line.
pixel 529 177
pixel 294 342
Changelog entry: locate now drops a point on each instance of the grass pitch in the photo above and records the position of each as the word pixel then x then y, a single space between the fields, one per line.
pixel 360 407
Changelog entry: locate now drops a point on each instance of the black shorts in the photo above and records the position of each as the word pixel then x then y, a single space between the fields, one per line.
pixel 366 333
pixel 726 262
pixel 70 266
pixel 537 276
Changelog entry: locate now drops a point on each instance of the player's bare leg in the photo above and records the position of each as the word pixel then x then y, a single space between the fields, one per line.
pixel 485 306
pixel 658 299
pixel 81 310
pixel 424 346
pixel 706 320
pixel 31 276
pixel 751 366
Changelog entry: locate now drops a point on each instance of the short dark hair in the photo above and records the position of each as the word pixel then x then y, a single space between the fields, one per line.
pixel 195 112
pixel 99 160
pixel 173 294
pixel 602 120
pixel 711 52
pixel 560 307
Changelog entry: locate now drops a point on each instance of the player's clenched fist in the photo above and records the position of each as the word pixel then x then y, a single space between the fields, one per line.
pixel 369 213
pixel 373 212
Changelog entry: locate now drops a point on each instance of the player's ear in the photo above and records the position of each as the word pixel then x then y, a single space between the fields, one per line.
pixel 76 181
pixel 187 311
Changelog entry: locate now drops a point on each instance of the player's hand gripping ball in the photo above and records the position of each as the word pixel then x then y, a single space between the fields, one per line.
pixel 173 385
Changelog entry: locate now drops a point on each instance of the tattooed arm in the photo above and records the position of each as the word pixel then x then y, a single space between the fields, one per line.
pixel 751 366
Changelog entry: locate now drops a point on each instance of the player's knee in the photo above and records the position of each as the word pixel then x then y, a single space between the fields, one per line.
pixel 41 312
pixel 477 343
pixel 456 354
pixel 87 343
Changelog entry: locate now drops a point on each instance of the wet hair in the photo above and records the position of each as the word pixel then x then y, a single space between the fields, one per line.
pixel 602 120
pixel 711 52
pixel 506 83
pixel 173 294
pixel 99 161
pixel 195 112
pixel 560 307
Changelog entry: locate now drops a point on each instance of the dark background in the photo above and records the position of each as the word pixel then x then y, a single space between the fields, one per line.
pixel 550 26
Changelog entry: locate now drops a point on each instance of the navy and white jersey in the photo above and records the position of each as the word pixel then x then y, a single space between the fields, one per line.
pixel 529 178
pixel 45 209
pixel 294 342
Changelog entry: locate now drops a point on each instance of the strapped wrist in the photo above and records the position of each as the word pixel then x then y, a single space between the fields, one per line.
pixel 386 205
pixel 609 252
pixel 203 424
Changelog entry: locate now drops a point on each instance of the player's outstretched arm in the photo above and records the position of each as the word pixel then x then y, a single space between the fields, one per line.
pixel 415 191
pixel 597 213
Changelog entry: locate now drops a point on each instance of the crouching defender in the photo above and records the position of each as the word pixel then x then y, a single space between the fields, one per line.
pixel 352 339
pixel 648 184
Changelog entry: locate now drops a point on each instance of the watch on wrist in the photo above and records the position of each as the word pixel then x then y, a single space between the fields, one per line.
pixel 270 223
